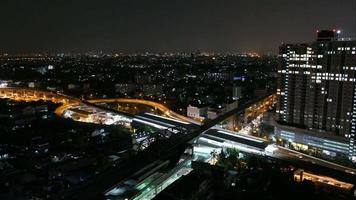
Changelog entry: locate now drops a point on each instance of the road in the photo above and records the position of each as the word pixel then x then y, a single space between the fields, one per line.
pixel 165 110
pixel 89 106
pixel 25 94
pixel 169 149
pixel 288 154
pixel 236 111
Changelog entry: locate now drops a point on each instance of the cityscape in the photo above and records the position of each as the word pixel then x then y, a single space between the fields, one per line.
pixel 181 100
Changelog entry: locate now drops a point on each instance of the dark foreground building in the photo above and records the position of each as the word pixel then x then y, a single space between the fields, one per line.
pixel 317 94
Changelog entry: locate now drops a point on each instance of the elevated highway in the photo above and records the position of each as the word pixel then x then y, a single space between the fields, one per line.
pixel 70 103
pixel 27 94
pixel 165 110
pixel 164 150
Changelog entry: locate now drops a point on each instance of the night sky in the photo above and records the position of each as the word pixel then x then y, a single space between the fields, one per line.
pixel 127 26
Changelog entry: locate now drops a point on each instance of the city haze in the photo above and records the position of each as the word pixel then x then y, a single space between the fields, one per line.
pixel 167 26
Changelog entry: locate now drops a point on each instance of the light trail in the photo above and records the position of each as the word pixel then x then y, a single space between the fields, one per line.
pixel 259 140
pixel 301 175
pixel 153 104
pixel 69 103
pixel 151 124
pixel 167 118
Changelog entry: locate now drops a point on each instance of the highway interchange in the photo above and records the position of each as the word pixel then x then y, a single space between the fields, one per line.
pixel 68 103
pixel 95 114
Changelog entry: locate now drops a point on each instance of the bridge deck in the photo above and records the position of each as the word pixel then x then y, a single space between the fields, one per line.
pixel 238 138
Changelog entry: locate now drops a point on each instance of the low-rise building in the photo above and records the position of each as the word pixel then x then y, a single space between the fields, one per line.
pixel 197 112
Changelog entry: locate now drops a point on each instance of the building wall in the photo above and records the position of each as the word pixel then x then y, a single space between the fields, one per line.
pixel 195 112
pixel 302 136
pixel 316 87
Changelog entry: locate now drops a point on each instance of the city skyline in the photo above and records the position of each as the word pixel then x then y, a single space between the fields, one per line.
pixel 175 26
pixel 178 100
pixel 316 90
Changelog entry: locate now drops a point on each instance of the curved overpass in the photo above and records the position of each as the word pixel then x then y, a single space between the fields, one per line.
pixel 25 94
pixel 165 110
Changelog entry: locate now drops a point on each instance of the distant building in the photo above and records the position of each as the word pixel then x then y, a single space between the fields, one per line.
pixel 125 88
pixel 151 89
pixel 210 112
pixel 236 92
pixel 197 112
pixel 213 113
pixel 260 92
pixel 72 86
pixel 316 88
pixel 33 84
pixel 230 106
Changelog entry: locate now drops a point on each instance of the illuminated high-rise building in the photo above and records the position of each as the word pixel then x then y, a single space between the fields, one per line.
pixel 317 92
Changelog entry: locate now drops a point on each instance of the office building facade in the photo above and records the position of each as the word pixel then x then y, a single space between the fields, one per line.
pixel 316 87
